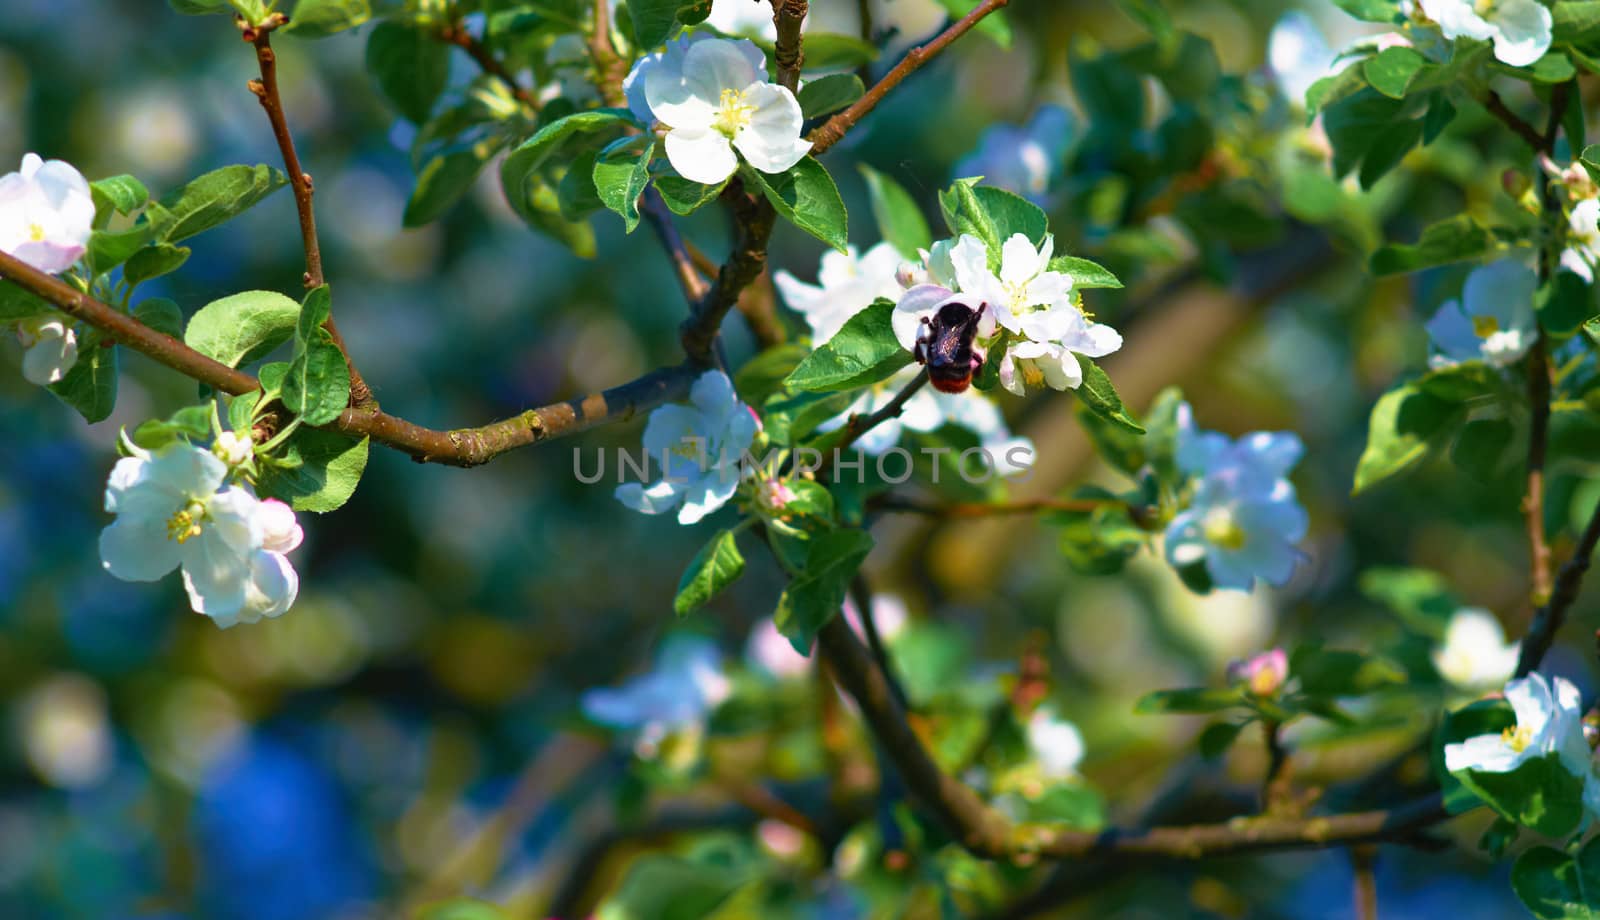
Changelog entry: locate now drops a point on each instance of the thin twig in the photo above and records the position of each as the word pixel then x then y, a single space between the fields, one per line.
pixel 655 210
pixel 610 68
pixel 859 425
pixel 1274 780
pixel 1366 886
pixel 831 131
pixel 989 834
pixel 754 221
pixel 460 447
pixel 789 50
pixel 861 594
pixel 1497 107
pixel 1542 631
pixel 266 90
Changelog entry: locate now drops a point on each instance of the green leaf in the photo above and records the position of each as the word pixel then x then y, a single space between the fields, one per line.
pixel 1085 274
pixel 199 7
pixel 317 384
pixel 321 18
pixel 655 21
pixel 829 94
pixel 242 328
pixel 1556 886
pixel 715 567
pixel 440 184
pixel 1098 393
pixel 1099 542
pixel 1188 700
pixel 192 423
pixel 411 67
pixel 1218 737
pixel 684 197
pixel 992 215
pixel 162 315
pixel 90 386
pixel 1391 70
pixel 212 199
pixel 900 221
pixel 816 594
pixel 16 303
pixel 1372 131
pixel 1563 303
pixel 832 51
pixel 659 887
pixel 1541 795
pixel 1387 11
pixel 324 469
pixel 153 261
pixel 110 248
pixel 762 376
pixel 621 173
pixel 806 197
pixel 789 419
pixel 863 351
pixel 123 193
pixel 1455 240
pixel 1329 672
pixel 525 160
pixel 1407 422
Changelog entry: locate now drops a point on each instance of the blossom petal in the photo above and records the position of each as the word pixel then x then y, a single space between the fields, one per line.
pixel 771 142
pixel 137 549
pixel 1484 753
pixel 701 154
pixel 1523 31
pixel 658 498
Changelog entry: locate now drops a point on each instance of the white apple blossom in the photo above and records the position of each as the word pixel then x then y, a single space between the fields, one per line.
pixel 699 447
pixel 847 283
pixel 46 214
pixel 1549 721
pixel 1244 519
pixel 1475 653
pixel 677 695
pixel 50 348
pixel 173 510
pixel 1299 55
pixel 1026 159
pixel 713 97
pixel 1519 29
pixel 1056 744
pixel 1493 321
pixel 1583 237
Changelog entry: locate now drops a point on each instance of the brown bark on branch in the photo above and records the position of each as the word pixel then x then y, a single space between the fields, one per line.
pixel 266 90
pixel 459 447
pixel 830 132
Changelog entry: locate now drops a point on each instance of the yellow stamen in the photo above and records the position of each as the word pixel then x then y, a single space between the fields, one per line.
pixel 1222 530
pixel 1485 326
pixel 36 232
pixel 1517 738
pixel 1031 374
pixel 733 113
pixel 185 524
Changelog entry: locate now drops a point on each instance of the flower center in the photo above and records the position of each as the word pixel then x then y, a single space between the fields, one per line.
pixel 186 523
pixel 1517 739
pixel 1483 7
pixel 36 232
pixel 1485 326
pixel 688 448
pixel 733 113
pixel 1031 374
pixel 1222 530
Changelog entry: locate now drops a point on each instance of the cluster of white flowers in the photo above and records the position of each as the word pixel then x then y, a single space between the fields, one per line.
pixel 1492 322
pixel 848 283
pixel 1244 518
pixel 1025 297
pixel 711 98
pixel 1549 721
pixel 175 509
pixel 674 698
pixel 699 447
pixel 46 217
pixel 1519 29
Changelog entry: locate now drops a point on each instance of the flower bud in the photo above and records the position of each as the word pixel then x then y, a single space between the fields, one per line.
pixel 281 533
pixel 234 449
pixel 1264 674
